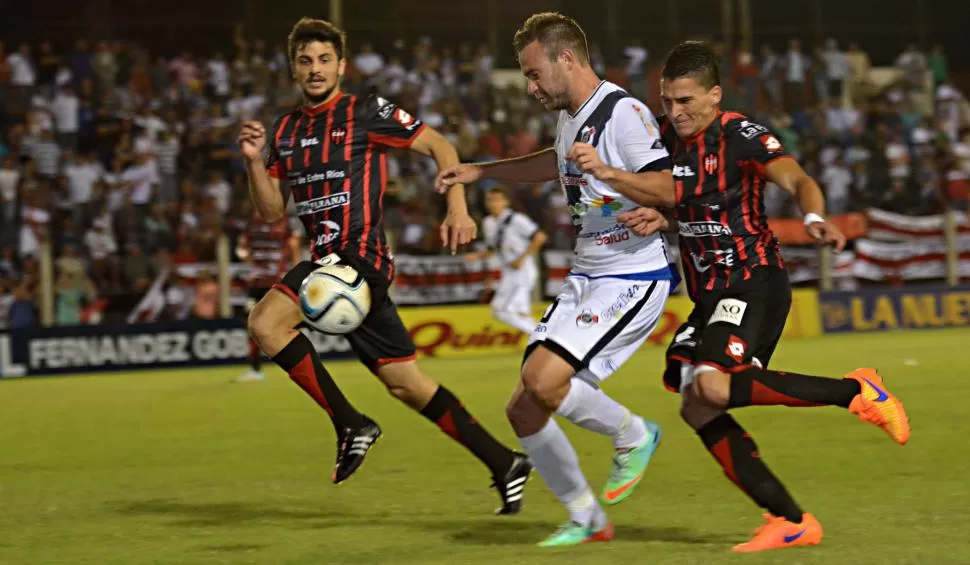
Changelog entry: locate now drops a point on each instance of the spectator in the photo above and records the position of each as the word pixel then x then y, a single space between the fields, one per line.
pixel 837 69
pixel 206 300
pixel 796 67
pixel 72 291
pixel 912 63
pixel 938 66
pixel 636 60
pixel 770 74
pixel 837 180
pixel 368 62
pixel 100 242
pixel 22 313
pixel 137 268
pixel 46 155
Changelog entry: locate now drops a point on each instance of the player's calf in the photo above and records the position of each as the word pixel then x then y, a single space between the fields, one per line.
pixel 510 470
pixel 737 454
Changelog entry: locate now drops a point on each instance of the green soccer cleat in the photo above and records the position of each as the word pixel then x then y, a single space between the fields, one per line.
pixel 629 466
pixel 572 533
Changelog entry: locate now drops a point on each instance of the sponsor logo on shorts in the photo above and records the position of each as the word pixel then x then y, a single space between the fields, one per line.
pixel 736 348
pixel 729 310
pixel 586 319
pixel 683 338
pixel 324 203
pixel 615 309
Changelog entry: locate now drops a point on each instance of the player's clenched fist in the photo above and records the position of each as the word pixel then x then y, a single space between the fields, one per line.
pixel 463 173
pixel 252 139
pixel 588 161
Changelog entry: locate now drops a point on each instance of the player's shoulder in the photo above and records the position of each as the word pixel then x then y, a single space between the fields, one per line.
pixel 375 105
pixel 282 120
pixel 735 124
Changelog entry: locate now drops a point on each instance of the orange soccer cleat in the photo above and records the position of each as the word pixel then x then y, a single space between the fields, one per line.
pixel 779 533
pixel 874 404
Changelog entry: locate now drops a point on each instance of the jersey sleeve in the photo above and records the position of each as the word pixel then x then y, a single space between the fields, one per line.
pixel 636 135
pixel 753 142
pixel 524 226
pixel 390 125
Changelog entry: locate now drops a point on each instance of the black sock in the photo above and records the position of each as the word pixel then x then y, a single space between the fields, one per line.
pixel 447 412
pixel 300 360
pixel 760 387
pixel 255 356
pixel 738 456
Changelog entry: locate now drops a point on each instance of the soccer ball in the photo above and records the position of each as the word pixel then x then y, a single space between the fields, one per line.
pixel 334 299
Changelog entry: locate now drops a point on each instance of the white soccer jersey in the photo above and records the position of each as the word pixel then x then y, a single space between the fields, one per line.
pixel 509 235
pixel 626 136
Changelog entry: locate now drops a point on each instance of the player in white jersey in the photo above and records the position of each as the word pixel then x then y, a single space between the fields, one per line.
pixel 514 238
pixel 615 293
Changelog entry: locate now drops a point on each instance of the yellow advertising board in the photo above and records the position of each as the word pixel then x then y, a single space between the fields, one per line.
pixel 470 330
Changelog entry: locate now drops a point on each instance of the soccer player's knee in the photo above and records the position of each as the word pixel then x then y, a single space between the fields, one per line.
pixel 710 386
pixel 525 416
pixel 260 323
pixel 541 385
pixel 695 413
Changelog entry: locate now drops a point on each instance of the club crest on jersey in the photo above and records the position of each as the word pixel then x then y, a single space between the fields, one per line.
pixel 338 135
pixel 587 134
pixel 710 164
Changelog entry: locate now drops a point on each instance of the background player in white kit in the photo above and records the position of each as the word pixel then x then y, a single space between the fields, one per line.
pixel 616 291
pixel 514 238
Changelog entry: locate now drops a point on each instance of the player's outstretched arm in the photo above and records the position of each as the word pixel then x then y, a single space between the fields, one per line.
pixel 532 168
pixel 790 176
pixel 458 227
pixel 648 188
pixel 264 189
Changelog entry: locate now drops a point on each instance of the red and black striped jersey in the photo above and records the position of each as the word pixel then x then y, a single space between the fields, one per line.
pixel 719 176
pixel 266 247
pixel 332 159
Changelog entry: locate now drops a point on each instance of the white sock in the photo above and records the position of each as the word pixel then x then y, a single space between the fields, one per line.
pixel 556 462
pixel 590 408
pixel 521 322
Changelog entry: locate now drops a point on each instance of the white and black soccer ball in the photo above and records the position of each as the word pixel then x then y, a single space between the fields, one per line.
pixel 335 299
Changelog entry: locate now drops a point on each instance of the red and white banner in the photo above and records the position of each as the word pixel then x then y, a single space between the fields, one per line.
pixel 441 279
pixel 896 247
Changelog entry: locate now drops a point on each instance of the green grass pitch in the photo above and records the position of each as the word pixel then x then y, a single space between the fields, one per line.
pixel 181 467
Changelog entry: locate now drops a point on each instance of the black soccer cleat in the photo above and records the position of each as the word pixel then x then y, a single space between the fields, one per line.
pixel 511 487
pixel 352 446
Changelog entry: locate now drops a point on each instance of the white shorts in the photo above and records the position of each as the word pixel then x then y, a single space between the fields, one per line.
pixel 597 324
pixel 514 295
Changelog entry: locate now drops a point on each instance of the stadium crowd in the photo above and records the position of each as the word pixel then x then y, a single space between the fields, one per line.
pixel 125 161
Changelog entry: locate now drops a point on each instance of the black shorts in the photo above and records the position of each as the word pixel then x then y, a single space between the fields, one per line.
pixel 732 328
pixel 382 338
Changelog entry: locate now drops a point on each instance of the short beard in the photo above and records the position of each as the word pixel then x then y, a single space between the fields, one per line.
pixel 311 100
